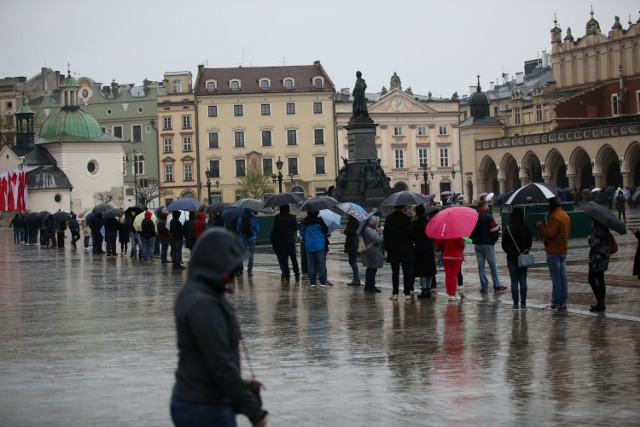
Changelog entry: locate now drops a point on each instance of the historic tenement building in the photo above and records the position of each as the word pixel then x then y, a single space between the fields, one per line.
pixel 417 137
pixel 588 131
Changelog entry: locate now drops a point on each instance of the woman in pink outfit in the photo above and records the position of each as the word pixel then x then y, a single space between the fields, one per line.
pixel 452 256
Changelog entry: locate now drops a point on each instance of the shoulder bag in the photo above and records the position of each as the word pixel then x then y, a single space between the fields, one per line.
pixel 525 259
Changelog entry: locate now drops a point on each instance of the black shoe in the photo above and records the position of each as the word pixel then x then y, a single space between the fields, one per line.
pixel 164 261
pixel 562 307
pixel 179 267
pixel 553 307
pixel 297 275
pixel 372 290
pixel 424 294
pixel 500 289
pixel 597 308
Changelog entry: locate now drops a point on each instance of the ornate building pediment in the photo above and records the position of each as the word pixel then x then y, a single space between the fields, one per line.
pixel 398 101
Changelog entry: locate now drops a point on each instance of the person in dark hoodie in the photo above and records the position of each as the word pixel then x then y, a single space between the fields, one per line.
pixel 111 235
pixel 283 240
pixel 176 234
pixel 516 240
pixel 248 227
pixel 209 389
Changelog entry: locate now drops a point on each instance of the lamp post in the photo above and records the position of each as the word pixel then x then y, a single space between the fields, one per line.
pixel 425 175
pixel 278 178
pixel 208 174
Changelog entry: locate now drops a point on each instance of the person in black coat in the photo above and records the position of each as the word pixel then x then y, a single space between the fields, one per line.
pixel 96 225
pixel 636 262
pixel 424 265
pixel 517 239
pixel 176 234
pixel 399 248
pixel 111 234
pixel 351 248
pixel 283 240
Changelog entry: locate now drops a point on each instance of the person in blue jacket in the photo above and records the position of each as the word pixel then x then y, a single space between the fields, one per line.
pixel 314 232
pixel 248 228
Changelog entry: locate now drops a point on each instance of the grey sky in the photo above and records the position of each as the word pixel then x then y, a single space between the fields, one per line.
pixel 436 46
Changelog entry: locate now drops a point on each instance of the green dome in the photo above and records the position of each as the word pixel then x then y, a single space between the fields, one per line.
pixel 69 82
pixel 71 124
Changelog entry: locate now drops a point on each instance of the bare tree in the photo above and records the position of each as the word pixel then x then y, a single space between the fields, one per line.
pixel 147 193
pixel 104 196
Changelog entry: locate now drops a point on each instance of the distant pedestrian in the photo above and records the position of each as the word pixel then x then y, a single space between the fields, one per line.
pixel 517 239
pixel 452 257
pixel 248 227
pixel 163 236
pixel 16 231
pixel 111 227
pixel 61 227
pixel 599 254
pixel 134 238
pixel 399 249
pixel 86 233
pixel 424 265
pixel 148 235
pixel 74 229
pixel 189 231
pixel 371 257
pixel 123 237
pixel 176 234
pixel 314 232
pixel 484 236
pixel 51 231
pixel 621 206
pixel 200 225
pixel 636 262
pixel 556 234
pixel 351 248
pixel 96 234
pixel 283 241
pixel 209 389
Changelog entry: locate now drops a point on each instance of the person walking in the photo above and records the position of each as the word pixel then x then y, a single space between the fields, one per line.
pixel 621 206
pixel 148 235
pixel 424 265
pixel 74 229
pixel 599 254
pixel 371 257
pixel 209 389
pixel 123 236
pixel 176 234
pixel 111 235
pixel 314 232
pixel 484 236
pixel 283 241
pixel 556 242
pixel 163 236
pixel 351 248
pixel 247 226
pixel 517 239
pixel 399 249
pixel 452 256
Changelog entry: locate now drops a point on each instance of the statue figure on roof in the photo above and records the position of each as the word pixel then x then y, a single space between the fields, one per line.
pixel 395 82
pixel 359 99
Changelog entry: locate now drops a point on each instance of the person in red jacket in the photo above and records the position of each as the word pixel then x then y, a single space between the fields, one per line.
pixel 452 256
pixel 200 224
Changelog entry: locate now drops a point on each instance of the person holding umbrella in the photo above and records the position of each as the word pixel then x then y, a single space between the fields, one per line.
pixel 248 227
pixel 636 261
pixel 176 234
pixel 74 228
pixel 111 227
pixel 517 240
pixel 148 235
pixel 399 248
pixel 424 252
pixel 351 247
pixel 452 256
pixel 314 232
pixel 599 254
pixel 283 240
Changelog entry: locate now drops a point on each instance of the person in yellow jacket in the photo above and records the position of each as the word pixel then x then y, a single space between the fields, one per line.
pixel 556 242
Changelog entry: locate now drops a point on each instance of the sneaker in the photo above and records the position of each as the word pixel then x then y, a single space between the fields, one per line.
pixel 562 307
pixel 433 291
pixel 407 298
pixel 324 285
pixel 394 297
pixel 328 284
pixel 596 309
pixel 249 274
pixel 313 285
pixel 354 283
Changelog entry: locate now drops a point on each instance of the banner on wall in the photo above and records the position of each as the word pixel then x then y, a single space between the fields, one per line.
pixel 14 190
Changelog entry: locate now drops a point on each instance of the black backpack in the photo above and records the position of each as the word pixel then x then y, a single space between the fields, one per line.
pixel 246 228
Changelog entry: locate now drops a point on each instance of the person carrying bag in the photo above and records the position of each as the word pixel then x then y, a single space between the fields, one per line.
pixel 518 260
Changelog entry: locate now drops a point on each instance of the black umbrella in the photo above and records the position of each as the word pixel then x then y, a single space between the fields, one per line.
pixel 503 197
pixel 230 216
pixel 314 204
pixel 216 207
pixel 533 192
pixel 31 218
pixel 604 216
pixel 43 215
pixel 158 211
pixel 281 199
pixel 113 213
pixel 609 189
pixel 405 198
pixel 101 208
pixel 61 216
pixel 134 210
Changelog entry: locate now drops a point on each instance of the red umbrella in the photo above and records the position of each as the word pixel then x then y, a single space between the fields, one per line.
pixel 452 223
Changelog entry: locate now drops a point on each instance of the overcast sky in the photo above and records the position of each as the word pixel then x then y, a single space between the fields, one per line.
pixel 436 46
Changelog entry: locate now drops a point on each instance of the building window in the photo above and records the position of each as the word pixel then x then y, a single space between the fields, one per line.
pixel 186 143
pixel 291 108
pixel 422 131
pixel 397 131
pixel 318 83
pixel 168 145
pixel 212 111
pixel 398 156
pixel 444 157
pixel 267 167
pixel 495 111
pixel 292 165
pixel 288 84
pixel 266 138
pixel 117 131
pixel 237 110
pixel 320 166
pixel 138 164
pixel 516 115
pixel 136 133
pixel 265 109
pixel 614 105
pixel 177 86
pixel 239 139
pixel 168 173
pixel 264 84
pixel 211 86
pixel 638 101
pixel 214 168
pixel 538 113
pixel 422 157
pixel 317 107
pixel 92 167
pixel 186 122
pixel 167 123
pixel 235 85
pixel 240 167
pixel 318 136
pixel 213 140
pixel 292 137
pixel 188 172
pixel 143 182
pixel 443 130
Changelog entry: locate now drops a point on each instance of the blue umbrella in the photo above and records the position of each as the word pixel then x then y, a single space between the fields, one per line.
pixel 331 219
pixel 184 204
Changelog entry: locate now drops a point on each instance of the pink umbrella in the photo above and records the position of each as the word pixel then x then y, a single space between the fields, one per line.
pixel 452 223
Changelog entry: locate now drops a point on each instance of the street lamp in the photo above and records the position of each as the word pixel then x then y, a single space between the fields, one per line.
pixel 425 175
pixel 278 178
pixel 208 174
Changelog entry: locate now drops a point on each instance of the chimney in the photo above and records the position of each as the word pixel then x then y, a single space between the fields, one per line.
pixel 316 63
pixel 200 68
pixel 519 78
pixel 114 89
pixel 492 85
pixel 58 79
pixel 345 91
pixel 505 78
pixel 43 73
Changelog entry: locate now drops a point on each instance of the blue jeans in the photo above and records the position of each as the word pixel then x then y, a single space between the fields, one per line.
pixel 486 252
pixel 353 263
pixel 316 263
pixel 176 252
pixel 251 247
pixel 87 240
pixel 149 246
pixel 518 276
pixel 191 414
pixel 164 248
pixel 135 243
pixel 557 264
pixel 425 282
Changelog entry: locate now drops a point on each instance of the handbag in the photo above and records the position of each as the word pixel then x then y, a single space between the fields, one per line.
pixel 362 246
pixel 525 259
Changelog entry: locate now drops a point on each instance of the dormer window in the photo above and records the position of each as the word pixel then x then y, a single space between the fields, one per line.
pixel 235 85
pixel 264 84
pixel 211 86
pixel 288 84
pixel 318 83
pixel 177 86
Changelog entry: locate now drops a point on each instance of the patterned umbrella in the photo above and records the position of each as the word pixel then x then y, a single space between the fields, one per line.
pixel 533 192
pixel 353 209
pixel 247 203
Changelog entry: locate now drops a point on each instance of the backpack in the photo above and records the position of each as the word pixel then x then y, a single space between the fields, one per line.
pixel 246 227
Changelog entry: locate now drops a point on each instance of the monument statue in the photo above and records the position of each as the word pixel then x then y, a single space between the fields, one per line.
pixel 359 99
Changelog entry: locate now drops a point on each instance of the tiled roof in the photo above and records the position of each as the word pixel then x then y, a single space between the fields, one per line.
pixel 47 178
pixel 250 79
pixel 537 78
pixel 36 156
pixel 483 121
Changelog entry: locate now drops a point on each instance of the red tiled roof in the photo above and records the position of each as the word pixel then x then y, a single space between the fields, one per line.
pixel 250 79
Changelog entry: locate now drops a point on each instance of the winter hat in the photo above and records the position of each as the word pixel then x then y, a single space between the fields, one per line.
pixel 147 215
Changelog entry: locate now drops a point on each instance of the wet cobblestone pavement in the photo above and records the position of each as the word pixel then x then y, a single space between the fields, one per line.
pixel 89 340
